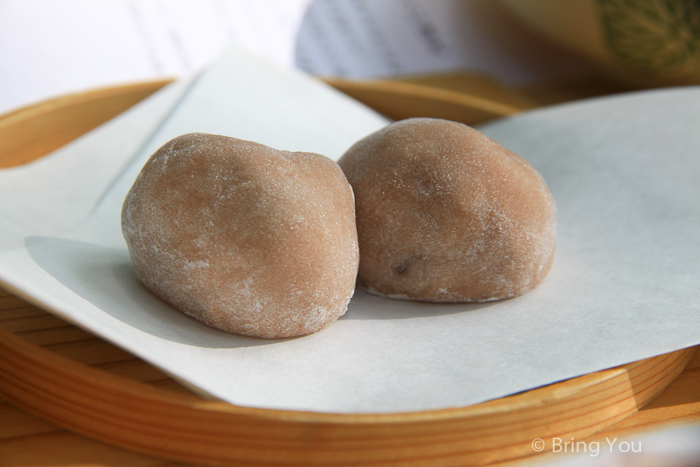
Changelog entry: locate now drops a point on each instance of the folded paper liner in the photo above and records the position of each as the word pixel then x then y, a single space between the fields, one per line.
pixel 624 172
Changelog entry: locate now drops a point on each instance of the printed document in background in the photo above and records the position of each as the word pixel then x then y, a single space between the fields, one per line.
pixel 49 48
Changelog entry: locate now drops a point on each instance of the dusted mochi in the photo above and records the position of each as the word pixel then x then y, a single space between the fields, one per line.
pixel 243 237
pixel 446 214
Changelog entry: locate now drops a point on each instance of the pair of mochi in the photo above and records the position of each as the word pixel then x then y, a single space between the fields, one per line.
pixel 269 243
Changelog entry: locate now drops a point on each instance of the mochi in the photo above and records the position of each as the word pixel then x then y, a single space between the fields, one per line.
pixel 243 237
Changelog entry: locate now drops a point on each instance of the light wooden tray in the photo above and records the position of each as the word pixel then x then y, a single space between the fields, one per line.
pixel 78 381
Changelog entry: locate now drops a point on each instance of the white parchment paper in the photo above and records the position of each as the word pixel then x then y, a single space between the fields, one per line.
pixel 624 172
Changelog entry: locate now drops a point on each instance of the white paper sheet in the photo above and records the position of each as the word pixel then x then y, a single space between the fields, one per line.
pixel 381 38
pixel 50 48
pixel 625 175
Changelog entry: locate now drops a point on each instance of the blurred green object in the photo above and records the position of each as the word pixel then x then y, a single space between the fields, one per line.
pixel 645 42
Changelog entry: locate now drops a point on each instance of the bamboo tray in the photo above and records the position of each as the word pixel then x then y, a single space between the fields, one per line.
pixel 74 379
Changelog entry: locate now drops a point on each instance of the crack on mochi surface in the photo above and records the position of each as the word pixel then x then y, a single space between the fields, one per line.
pixel 243 237
pixel 446 214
